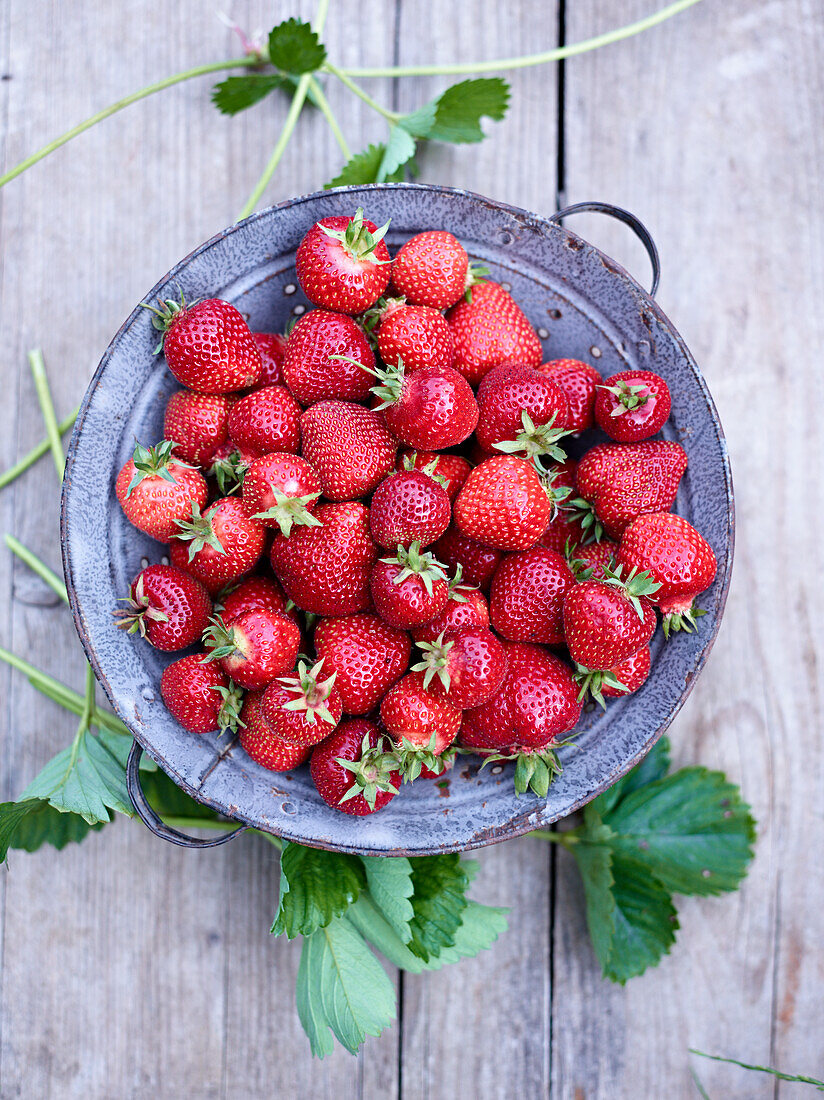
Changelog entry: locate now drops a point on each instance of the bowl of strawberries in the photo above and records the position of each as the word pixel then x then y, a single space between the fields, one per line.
pixel 397 521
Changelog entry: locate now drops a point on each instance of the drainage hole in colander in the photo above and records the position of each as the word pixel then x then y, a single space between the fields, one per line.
pixel 288 807
pixel 290 288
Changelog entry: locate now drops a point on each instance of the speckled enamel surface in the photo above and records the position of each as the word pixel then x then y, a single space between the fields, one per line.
pixel 579 300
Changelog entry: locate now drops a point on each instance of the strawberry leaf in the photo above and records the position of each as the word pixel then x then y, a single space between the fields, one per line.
pixel 30 824
pixel 459 109
pixel 440 884
pixel 399 149
pixel 295 48
pixel 315 887
pixel 236 93
pixel 364 167
pixel 390 886
pixel 645 921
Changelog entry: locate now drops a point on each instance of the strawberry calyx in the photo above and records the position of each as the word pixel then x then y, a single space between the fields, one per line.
pixel 594 680
pixel 430 469
pixel 358 241
pixel 435 661
pixel 536 441
pixel 132 618
pixel 629 397
pixel 456 582
pixel 587 517
pixel 165 313
pixel 198 532
pixel 154 462
pixel 475 273
pixel 557 494
pixel 229 715
pixel 289 511
pixel 410 759
pixel 679 614
pixel 534 770
pixel 583 570
pixel 311 693
pixel 372 773
pixel 229 472
pixel 413 562
pixel 219 640
pixel 634 585
pixel 373 317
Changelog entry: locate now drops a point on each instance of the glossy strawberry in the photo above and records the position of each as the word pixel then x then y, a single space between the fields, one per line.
pixel 632 405
pixel 228 467
pixel 631 673
pixel 197 423
pixel 414 714
pixel 418 335
pixel 272 348
pixel 409 588
pixel 592 561
pixel 343 264
pixel 477 561
pixel 526 601
pixel 352 770
pixel 266 420
pixel 322 356
pixel 303 709
pixel 166 606
pixel 348 446
pixel 199 695
pixel 465 607
pixel 155 491
pixel 281 490
pixel 526 413
pixel 466 665
pixel 503 504
pixel 432 408
pixel 326 569
pixel 208 345
pixel 578 380
pixel 220 545
pixel 408 507
pixel 450 471
pixel 604 623
pixel 252 594
pixel 256 647
pixel 367 655
pixel 489 330
pixel 677 557
pixel 616 482
pixel 433 269
pixel 262 744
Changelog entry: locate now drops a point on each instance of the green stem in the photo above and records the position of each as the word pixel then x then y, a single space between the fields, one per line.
pixel 326 111
pixel 343 77
pixel 502 64
pixel 150 89
pixel 37 452
pixel 566 839
pixel 37 566
pixel 41 384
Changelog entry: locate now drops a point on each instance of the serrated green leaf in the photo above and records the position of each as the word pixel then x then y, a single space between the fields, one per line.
pixel 479 928
pixel 645 921
pixel 363 168
pixel 655 765
pixel 315 887
pixel 86 779
pixel 594 860
pixel 31 824
pixel 419 123
pixel 398 150
pixel 439 900
pixel 341 987
pixel 459 109
pixel 236 93
pixel 295 48
pixel 691 829
pixel 390 884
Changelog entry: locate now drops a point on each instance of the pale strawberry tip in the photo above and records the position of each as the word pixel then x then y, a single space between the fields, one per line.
pixel 290 511
pixel 198 532
pixel 410 759
pixel 358 241
pixel 681 620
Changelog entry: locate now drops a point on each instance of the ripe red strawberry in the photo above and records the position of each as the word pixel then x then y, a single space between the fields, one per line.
pixel 631 674
pixel 632 405
pixel 616 482
pixel 199 695
pixel 490 330
pixel 536 704
pixel 564 527
pixel 477 561
pixel 526 601
pixel 605 622
pixel 166 606
pixel 414 714
pixel 254 593
pixel 418 335
pixel 367 656
pixel 255 648
pixel 228 467
pixel 433 269
pixel 326 569
pixel 352 771
pixel 677 557
pixel 466 666
pixel 272 348
pixel 525 413
pixel 262 744
pixel 208 345
pixel 450 471
pixel 578 381
pixel 465 607
pixel 155 491
pixel 503 503
pixel 408 507
pixel 409 588
pixel 432 408
pixel 220 545
pixel 198 423
pixel 327 355
pixel 348 446
pixel 281 490
pixel 303 709
pixel 593 561
pixel 343 264
pixel 266 420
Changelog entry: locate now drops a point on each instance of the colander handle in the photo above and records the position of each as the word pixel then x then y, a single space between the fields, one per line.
pixel 617 212
pixel 151 820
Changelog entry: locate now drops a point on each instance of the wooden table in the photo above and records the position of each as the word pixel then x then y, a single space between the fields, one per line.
pixel 132 969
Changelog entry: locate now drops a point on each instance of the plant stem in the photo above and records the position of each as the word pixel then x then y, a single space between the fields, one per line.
pixel 36 452
pixel 150 89
pixel 502 64
pixel 37 566
pixel 343 77
pixel 567 839
pixel 41 384
pixel 326 111
pixel 88 700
